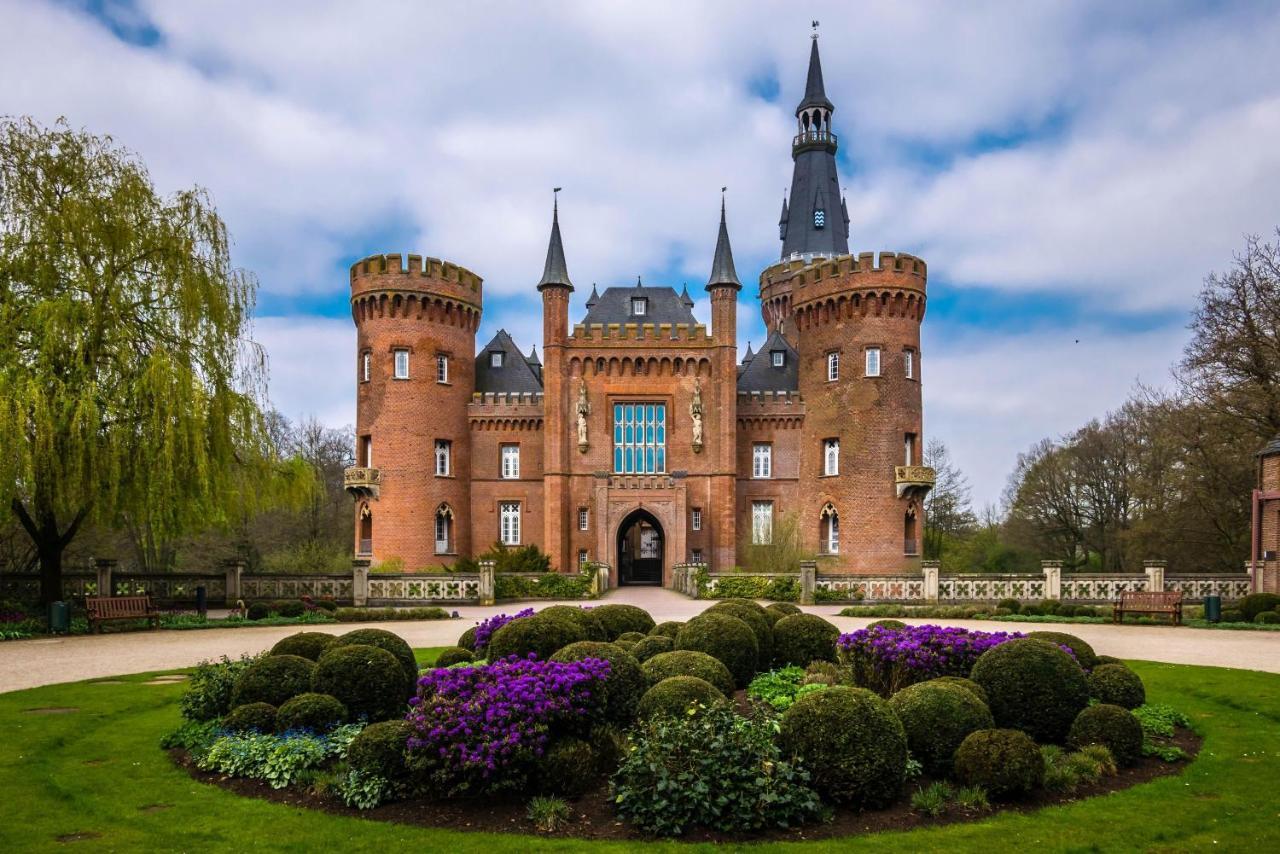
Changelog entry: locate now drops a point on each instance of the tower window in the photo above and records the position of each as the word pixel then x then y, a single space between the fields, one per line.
pixel 831 457
pixel 444 530
pixel 762 460
pixel 509 527
pixel 779 358
pixel 366 531
pixel 697 556
pixel 402 364
pixel 833 367
pixel 909 364
pixel 829 535
pixel 761 523
pixel 366 451
pixel 444 458
pixel 364 367
pixel 511 462
pixel 695 518
pixel 442 368
pixel 584 519
pixel 909 447
pixel 639 306
pixel 873 361
pixel 582 557
pixel 819 218
pixel 495 359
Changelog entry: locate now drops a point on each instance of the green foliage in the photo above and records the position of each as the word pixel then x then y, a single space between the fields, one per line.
pixel 251 717
pixel 368 680
pixel 1004 762
pixel 777 610
pixel 781 588
pixel 1257 603
pixel 967 684
pixel 851 742
pixel 257 610
pixel 567 767
pixel 541 634
pixel 1233 615
pixel 210 686
pixel 619 619
pixel 310 557
pixel 527 558
pixel 193 736
pixel 678 695
pixel 593 629
pixel 609 743
pixel 1013 606
pixel 373 615
pixel 887 624
pixel 753 615
pixel 651 646
pixel 289 608
pixel 668 629
pixel 392 643
pixel 364 791
pixel 547 585
pixel 936 717
pixel 689 663
pixel 548 814
pixel 932 799
pixel 468 639
pixel 1065 772
pixel 781 688
pixel 1111 726
pixel 801 638
pixel 1085 656
pixel 378 752
pixel 631 637
pixel 315 712
pixel 972 799
pixel 279 760
pixel 618 695
pixel 1118 685
pixel 1267 618
pixel 725 638
pixel 273 679
pixel 1160 720
pixel 452 655
pixel 1033 686
pixel 782 554
pixel 309 645
pixel 825 673
pixel 715 770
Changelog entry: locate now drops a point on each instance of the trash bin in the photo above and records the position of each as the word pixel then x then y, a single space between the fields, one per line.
pixel 59 617
pixel 202 601
pixel 1213 608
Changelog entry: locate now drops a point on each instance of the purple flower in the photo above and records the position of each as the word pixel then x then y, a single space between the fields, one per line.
pixel 888 659
pixel 486 628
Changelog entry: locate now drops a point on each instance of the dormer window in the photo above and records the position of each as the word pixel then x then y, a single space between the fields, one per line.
pixel 819 218
pixel 495 359
pixel 639 306
pixel 778 357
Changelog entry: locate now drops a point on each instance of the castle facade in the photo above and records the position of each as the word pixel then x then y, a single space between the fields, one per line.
pixel 640 440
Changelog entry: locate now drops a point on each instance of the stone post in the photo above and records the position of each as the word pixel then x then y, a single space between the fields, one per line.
pixel 486 582
pixel 104 566
pixel 1052 570
pixel 931 569
pixel 360 581
pixel 234 568
pixel 808 581
pixel 1154 570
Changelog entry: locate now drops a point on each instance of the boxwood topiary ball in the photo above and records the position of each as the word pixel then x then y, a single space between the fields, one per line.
pixel 592 628
pixel 744 602
pixel 967 684
pixel 672 697
pixel 1117 685
pixel 1267 618
pixel 725 638
pixel 251 717
pixel 273 679
pixel 1233 615
pixel 852 744
pixel 1109 659
pixel 783 609
pixel 651 646
pixel 1256 603
pixel 1113 727
pixel 688 662
pixel 753 615
pixel 1032 686
pixel 631 637
pixel 669 629
pixel 1084 653
pixel 1005 762
pixel 392 643
pixel 257 611
pixel 887 624
pixel 618 619
pixel 623 686
pixel 291 608
pixel 468 639
pixel 309 645
pixel 380 748
pixel 315 712
pixel 801 638
pixel 567 767
pixel 451 655
pixel 937 717
pixel 540 634
pixel 368 680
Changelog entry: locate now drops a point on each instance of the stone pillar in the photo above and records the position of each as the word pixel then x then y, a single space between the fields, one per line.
pixel 1052 570
pixel 931 569
pixel 486 582
pixel 234 568
pixel 104 567
pixel 360 581
pixel 1154 570
pixel 808 581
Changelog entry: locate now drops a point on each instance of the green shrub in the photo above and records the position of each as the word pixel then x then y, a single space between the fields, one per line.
pixel 326 605
pixel 256 717
pixel 1113 727
pixel 673 697
pixel 548 814
pixel 468 639
pixel 547 585
pixel 689 663
pixel 592 628
pixel 781 688
pixel 777 610
pixel 802 638
pixel 618 695
pixel 1233 615
pixel 310 645
pixel 609 744
pixel 368 680
pixel 887 624
pixel 1256 603
pixel 1117 685
pixel 379 750
pixel 394 644
pixel 753 615
pixel 625 645
pixel 651 646
pixel 290 608
pixel 619 619
pixel 967 684
pixel 257 611
pixel 1110 659
pixel 541 634
pixel 1085 656
pixel 669 629
pixel 725 638
pixel 567 767
pixel 273 679
pixel 1267 618
pixel 1004 762
pixel 1033 686
pixel 1013 606
pixel 824 673
pixel 316 712
pixel 631 637
pixel 210 686
pixel 937 717
pixel 452 655
pixel 366 615
pixel 714 770
pixel 851 743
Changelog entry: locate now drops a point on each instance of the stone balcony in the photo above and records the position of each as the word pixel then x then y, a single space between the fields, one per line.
pixel 913 480
pixel 361 482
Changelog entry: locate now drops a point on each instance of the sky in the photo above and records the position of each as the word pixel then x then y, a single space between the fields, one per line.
pixel 1070 171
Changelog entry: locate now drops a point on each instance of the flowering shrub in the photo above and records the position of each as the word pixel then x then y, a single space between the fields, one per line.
pixel 482 726
pixel 486 628
pixel 887 660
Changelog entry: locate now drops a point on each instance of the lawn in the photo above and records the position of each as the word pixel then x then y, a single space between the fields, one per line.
pixel 96 778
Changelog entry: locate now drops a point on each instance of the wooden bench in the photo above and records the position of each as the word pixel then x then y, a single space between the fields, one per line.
pixel 1141 602
pixel 104 609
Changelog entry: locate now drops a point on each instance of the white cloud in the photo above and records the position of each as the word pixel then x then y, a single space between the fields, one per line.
pixel 311 366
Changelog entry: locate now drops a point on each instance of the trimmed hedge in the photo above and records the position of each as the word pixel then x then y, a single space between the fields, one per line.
pixel 316 712
pixel 1032 686
pixel 851 742
pixel 1005 762
pixel 619 619
pixel 967 684
pixel 468 639
pixel 540 634
pixel 1268 618
pixel 672 696
pixel 392 643
pixel 273 679
pixel 887 624
pixel 1117 685
pixel 937 717
pixel 783 609
pixel 592 628
pixel 309 645
pixel 251 717
pixel 625 683
pixel 1085 656
pixel 669 629
pixel 689 663
pixel 568 766
pixel 1114 727
pixel 1256 603
pixel 631 637
pixel 753 615
pixel 257 611
pixel 368 680
pixel 452 655
pixel 802 638
pixel 651 646
pixel 725 638
pixel 379 750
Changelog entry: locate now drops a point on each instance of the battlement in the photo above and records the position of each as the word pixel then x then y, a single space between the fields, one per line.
pixel 763 399
pixel 504 403
pixel 815 269
pixel 379 268
pixel 599 333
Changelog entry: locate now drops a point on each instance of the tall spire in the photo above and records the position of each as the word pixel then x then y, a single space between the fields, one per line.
pixel 814 93
pixel 555 271
pixel 722 271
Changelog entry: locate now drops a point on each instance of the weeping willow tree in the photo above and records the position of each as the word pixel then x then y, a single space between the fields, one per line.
pixel 129 388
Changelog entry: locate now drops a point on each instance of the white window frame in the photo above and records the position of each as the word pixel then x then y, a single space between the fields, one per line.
pixel 444 458
pixel 366 369
pixel 778 358
pixel 833 532
pixel 696 556
pixel 442 368
pixel 584 519
pixel 444 525
pixel 762 523
pixel 909 364
pixel 873 361
pixel 583 557
pixel 639 306
pixel 496 358
pixel 509 523
pixel 510 455
pixel 695 518
pixel 909 448
pixel 833 367
pixel 830 457
pixel 762 460
pixel 397 355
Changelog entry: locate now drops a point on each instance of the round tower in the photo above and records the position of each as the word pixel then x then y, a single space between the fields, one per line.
pixel 415 372
pixel 856 325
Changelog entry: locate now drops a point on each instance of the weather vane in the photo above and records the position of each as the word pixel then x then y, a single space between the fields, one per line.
pixel 815 30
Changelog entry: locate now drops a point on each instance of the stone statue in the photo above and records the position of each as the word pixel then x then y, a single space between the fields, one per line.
pixel 695 414
pixel 584 409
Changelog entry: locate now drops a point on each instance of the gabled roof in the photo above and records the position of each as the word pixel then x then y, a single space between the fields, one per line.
pixel 664 306
pixel 517 374
pixel 759 374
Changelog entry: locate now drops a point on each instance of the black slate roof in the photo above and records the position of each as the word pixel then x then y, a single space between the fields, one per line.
pixel 759 374
pixel 1271 448
pixel 664 306
pixel 518 374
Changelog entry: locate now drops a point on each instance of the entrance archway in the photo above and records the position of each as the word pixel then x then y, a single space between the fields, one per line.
pixel 641 545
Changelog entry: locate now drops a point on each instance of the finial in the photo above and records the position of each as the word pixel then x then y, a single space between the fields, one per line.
pixel 815 30
pixel 638 285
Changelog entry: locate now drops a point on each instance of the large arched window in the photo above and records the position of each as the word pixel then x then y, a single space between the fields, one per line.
pixel 366 530
pixel 829 530
pixel 444 530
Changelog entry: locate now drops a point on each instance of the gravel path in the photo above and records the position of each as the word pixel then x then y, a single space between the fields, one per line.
pixel 46 661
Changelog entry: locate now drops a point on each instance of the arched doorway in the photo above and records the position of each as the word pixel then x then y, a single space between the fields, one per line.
pixel 640 549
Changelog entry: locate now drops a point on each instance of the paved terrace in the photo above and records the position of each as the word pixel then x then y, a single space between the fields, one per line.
pixel 46 661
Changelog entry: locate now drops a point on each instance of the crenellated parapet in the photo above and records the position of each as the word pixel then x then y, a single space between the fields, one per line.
pixel 506 411
pixel 640 334
pixel 815 290
pixel 781 409
pixel 423 288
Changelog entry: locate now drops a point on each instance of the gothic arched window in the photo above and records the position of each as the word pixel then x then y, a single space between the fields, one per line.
pixel 829 530
pixel 444 530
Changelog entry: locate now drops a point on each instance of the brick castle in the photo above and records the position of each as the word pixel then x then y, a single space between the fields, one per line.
pixel 640 440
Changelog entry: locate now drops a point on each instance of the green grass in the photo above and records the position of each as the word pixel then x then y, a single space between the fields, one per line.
pixel 98 770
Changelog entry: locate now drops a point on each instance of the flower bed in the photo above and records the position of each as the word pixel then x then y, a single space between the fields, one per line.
pixel 486 627
pixel 886 659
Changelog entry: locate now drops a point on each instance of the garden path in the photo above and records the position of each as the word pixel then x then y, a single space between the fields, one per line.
pixel 47 661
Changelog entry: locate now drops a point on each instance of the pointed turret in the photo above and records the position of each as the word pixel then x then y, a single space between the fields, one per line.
pixel 684 296
pixel 747 358
pixel 555 272
pixel 532 358
pixel 722 271
pixel 814 93
pixel 782 220
pixel 595 296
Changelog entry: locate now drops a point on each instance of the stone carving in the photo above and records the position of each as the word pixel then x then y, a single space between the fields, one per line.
pixel 695 414
pixel 584 409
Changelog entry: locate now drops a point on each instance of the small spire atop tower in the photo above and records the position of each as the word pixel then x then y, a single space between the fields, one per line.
pixel 749 356
pixel 595 296
pixel 684 295
pixel 722 271
pixel 815 94
pixel 532 358
pixel 555 271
